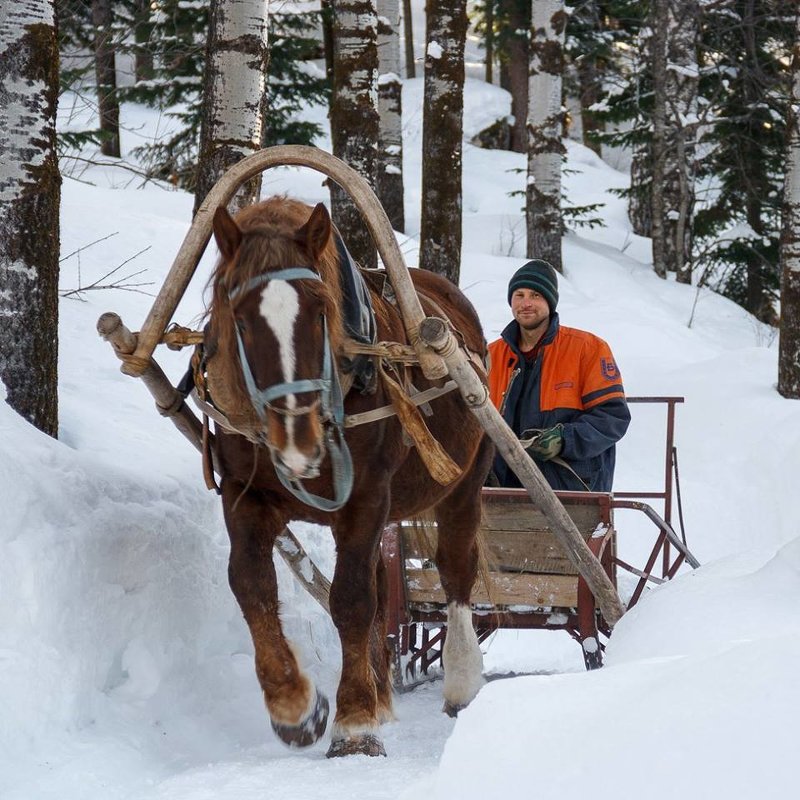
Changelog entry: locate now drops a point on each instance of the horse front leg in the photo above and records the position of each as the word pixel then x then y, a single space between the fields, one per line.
pixel 363 700
pixel 458 517
pixel 298 712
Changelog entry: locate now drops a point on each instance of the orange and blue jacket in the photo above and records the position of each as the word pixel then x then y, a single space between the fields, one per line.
pixel 574 381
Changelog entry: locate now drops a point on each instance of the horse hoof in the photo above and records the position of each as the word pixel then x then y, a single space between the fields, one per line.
pixel 366 744
pixel 452 709
pixel 308 731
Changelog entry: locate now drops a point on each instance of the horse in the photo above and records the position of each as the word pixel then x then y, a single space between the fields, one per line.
pixel 274 343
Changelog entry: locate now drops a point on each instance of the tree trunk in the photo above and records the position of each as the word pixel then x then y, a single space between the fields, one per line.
pixel 545 125
pixel 30 194
pixel 389 177
pixel 234 94
pixel 590 81
pixel 640 210
pixel 518 67
pixel 442 132
pixel 327 38
pixel 681 129
pixel 106 77
pixel 489 39
pixel 789 342
pixel 658 54
pixel 354 114
pixel 143 31
pixel 408 38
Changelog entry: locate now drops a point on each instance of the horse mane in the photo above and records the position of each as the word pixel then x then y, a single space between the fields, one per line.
pixel 269 242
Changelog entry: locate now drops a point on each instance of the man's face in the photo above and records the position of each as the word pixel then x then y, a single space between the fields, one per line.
pixel 529 308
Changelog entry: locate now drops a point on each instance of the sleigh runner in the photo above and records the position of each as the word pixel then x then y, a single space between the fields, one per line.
pixel 298 417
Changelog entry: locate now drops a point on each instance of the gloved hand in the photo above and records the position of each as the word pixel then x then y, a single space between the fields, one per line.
pixel 543 444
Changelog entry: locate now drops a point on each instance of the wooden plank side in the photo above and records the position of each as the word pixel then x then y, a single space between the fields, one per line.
pixel 507 589
pixel 509 550
pixel 524 517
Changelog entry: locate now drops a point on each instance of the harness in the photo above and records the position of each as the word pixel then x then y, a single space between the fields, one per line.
pixel 331 398
pixel 406 401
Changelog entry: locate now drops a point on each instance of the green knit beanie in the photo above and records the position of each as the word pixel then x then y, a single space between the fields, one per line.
pixel 539 276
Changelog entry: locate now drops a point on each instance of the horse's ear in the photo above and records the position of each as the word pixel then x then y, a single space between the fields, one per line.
pixel 226 233
pixel 316 233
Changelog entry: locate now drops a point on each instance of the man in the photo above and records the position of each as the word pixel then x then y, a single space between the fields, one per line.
pixel 558 388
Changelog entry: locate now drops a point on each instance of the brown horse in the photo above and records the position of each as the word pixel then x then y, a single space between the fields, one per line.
pixel 274 341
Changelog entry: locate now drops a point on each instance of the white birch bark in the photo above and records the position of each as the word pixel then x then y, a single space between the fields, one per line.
pixel 658 54
pixel 30 188
pixel 234 93
pixel 389 174
pixel 545 125
pixel 354 113
pixel 681 120
pixel 789 341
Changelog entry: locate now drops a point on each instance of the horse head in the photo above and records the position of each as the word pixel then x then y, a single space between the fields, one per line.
pixel 274 282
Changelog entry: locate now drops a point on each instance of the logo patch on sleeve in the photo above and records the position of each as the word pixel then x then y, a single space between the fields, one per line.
pixel 609 368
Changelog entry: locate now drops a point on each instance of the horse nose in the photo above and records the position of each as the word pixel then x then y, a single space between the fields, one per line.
pixel 298 464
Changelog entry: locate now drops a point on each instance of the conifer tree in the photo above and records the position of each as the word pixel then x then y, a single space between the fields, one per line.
pixel 744 77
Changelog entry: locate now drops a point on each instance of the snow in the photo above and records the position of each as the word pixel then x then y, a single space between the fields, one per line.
pixel 125 667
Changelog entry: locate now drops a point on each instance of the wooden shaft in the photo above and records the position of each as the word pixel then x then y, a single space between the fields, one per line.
pixel 112 329
pixel 436 334
pixel 199 234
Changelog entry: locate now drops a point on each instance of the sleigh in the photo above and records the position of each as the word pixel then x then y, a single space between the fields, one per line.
pixel 528 583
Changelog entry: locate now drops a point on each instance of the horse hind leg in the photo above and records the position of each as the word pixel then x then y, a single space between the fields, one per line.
pixel 458 517
pixel 298 712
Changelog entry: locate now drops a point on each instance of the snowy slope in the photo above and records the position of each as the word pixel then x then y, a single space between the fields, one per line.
pixel 126 670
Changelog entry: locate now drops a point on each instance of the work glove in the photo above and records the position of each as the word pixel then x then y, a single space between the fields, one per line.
pixel 543 444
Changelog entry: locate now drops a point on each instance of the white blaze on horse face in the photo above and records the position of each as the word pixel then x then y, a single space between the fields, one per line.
pixel 280 306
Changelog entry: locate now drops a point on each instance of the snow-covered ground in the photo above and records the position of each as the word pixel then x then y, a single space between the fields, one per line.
pixel 126 669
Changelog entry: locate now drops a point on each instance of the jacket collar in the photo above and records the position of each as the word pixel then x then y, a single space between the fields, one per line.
pixel 510 333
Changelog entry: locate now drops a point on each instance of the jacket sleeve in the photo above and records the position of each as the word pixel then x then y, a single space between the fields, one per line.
pixel 605 417
pixel 595 430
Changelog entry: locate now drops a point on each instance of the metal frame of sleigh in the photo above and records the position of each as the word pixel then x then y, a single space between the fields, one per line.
pixel 557 569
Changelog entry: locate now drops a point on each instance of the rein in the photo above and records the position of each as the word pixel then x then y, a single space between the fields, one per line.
pixel 331 399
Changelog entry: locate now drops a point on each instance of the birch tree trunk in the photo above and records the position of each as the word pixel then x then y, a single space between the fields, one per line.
pixel 234 95
pixel 442 131
pixel 106 77
pixel 354 114
pixel 545 125
pixel 30 193
pixel 789 340
pixel 658 43
pixel 389 177
pixel 681 122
